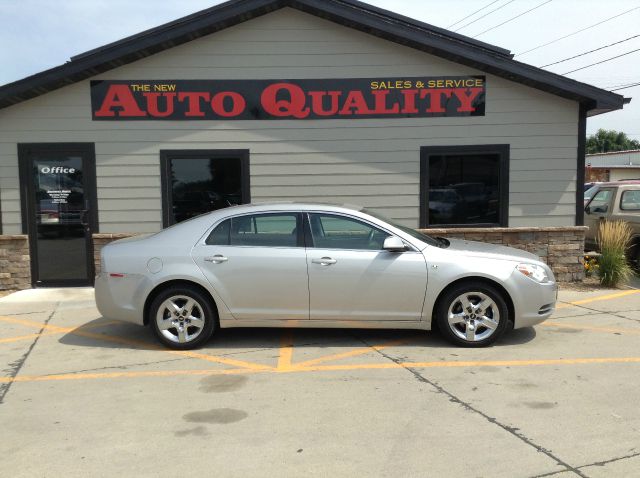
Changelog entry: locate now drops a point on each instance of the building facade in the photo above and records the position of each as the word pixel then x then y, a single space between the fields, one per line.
pixel 613 166
pixel 254 101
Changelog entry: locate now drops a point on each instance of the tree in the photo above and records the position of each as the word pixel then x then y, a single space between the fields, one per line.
pixel 610 140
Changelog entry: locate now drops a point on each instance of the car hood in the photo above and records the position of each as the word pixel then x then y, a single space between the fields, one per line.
pixel 482 249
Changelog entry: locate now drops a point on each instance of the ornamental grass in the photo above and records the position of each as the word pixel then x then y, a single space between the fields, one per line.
pixel 614 238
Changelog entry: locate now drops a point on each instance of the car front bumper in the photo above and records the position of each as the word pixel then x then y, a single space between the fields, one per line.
pixel 533 302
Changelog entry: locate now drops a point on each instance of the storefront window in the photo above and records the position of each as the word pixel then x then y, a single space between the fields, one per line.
pixel 464 186
pixel 196 182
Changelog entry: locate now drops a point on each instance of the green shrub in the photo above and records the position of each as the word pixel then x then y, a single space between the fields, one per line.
pixel 613 240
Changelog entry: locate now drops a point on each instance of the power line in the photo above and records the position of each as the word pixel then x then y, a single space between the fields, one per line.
pixel 620 85
pixel 590 51
pixel 626 87
pixel 513 18
pixel 603 61
pixel 468 16
pixel 578 31
pixel 485 15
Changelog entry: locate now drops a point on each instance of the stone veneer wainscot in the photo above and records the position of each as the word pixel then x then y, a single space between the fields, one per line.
pixel 560 247
pixel 15 263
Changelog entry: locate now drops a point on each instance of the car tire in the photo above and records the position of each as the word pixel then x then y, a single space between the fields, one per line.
pixel 633 256
pixel 472 315
pixel 182 317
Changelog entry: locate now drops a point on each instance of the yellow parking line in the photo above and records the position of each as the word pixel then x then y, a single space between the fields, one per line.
pixel 599 298
pixel 352 353
pixel 40 334
pixel 286 351
pixel 489 363
pixel 93 376
pixel 323 368
pixel 137 343
pixel 213 358
pixel 26 337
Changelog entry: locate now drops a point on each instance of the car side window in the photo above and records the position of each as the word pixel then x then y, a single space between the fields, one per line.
pixel 601 201
pixel 263 230
pixel 220 235
pixel 338 232
pixel 630 201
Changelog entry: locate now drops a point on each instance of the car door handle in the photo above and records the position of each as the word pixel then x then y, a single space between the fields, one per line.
pixel 325 261
pixel 217 259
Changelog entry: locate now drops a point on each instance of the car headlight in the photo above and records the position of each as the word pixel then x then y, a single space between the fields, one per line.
pixel 534 272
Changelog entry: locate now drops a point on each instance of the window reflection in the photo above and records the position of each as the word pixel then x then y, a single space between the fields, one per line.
pixel 200 185
pixel 464 189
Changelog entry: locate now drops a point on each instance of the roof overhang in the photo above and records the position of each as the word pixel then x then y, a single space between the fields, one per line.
pixel 350 13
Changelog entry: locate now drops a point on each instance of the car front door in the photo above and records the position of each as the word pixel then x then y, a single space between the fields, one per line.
pixel 597 210
pixel 257 263
pixel 352 278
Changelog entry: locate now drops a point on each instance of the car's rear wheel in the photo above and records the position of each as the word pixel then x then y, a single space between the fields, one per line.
pixel 182 317
pixel 472 315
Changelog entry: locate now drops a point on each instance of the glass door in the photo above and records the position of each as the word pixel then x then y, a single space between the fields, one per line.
pixel 58 184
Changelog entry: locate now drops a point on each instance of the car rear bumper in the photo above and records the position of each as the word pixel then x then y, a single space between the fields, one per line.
pixel 129 292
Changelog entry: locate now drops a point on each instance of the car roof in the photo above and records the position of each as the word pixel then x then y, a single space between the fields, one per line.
pixel 618 183
pixel 289 205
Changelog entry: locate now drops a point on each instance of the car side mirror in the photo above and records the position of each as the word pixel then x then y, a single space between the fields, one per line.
pixel 587 209
pixel 394 244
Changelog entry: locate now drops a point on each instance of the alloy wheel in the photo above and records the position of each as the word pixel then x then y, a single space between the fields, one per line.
pixel 180 319
pixel 473 316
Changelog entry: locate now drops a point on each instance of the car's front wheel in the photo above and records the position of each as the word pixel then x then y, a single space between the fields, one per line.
pixel 182 317
pixel 472 315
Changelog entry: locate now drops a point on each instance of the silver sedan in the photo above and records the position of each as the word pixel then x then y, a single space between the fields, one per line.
pixel 310 265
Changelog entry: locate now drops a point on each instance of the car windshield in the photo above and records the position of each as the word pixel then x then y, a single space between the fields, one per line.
pixel 589 193
pixel 412 232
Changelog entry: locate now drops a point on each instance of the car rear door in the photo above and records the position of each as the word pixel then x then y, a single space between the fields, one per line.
pixel 257 263
pixel 352 278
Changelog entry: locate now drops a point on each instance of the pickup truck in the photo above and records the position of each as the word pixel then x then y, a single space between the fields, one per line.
pixel 614 201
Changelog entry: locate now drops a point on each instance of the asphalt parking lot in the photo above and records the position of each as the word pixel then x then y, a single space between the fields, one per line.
pixel 83 396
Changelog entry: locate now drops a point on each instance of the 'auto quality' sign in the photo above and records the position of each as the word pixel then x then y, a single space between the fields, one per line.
pixel 288 99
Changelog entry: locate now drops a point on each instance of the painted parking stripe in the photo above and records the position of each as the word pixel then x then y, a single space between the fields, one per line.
pixel 136 343
pixel 286 351
pixel 26 337
pixel 352 353
pixel 598 298
pixel 323 368
pixel 285 359
pixel 54 332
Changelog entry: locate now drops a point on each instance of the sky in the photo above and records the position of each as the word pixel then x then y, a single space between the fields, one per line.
pixel 40 34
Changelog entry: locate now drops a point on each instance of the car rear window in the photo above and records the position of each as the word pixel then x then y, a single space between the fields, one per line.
pixel 220 235
pixel 257 230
